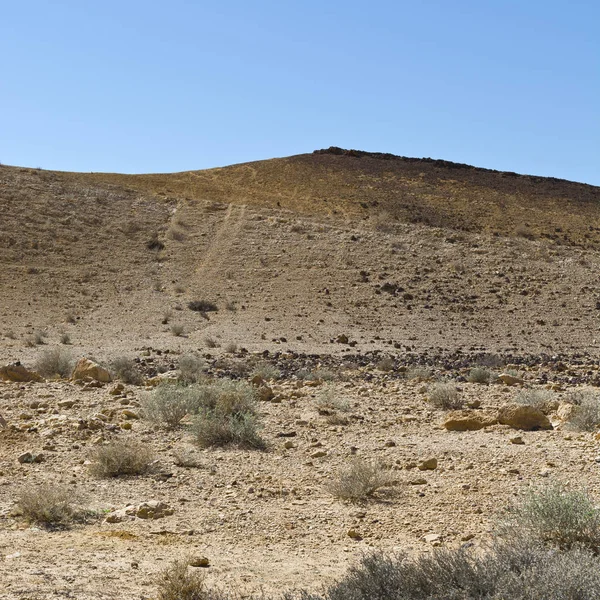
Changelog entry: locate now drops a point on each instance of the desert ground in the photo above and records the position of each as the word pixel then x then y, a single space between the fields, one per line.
pixel 349 290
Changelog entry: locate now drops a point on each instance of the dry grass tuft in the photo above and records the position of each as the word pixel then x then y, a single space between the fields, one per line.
pixel 55 362
pixel 445 396
pixel 123 457
pixel 358 482
pixel 49 505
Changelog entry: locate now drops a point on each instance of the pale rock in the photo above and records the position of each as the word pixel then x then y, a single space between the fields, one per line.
pixel 468 420
pixel 523 416
pixel 18 373
pixel 86 368
pixel 508 379
pixel 428 465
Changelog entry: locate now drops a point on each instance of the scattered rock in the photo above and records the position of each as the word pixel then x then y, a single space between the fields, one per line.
pixel 18 373
pixel 29 457
pixel 318 454
pixel 428 465
pixel 265 393
pixel 153 509
pixel 467 420
pixel 508 379
pixel 432 537
pixel 199 561
pixel 355 535
pixel 517 439
pixel 87 368
pixel 523 416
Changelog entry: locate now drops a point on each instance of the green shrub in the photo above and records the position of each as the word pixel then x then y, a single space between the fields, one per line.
pixel 554 516
pixel 169 403
pixel 123 457
pixel 586 414
pixel 445 396
pixel 480 375
pixel 191 368
pixel 55 362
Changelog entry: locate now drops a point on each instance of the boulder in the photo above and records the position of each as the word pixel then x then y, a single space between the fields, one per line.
pixel 523 416
pixel 508 379
pixel 17 372
pixel 88 369
pixel 468 420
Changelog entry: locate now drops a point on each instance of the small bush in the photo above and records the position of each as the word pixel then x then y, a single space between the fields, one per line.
pixel 212 428
pixel 126 370
pixel 328 403
pixel 55 362
pixel 123 457
pixel 538 398
pixel 504 572
pixel 167 316
pixel 202 306
pixel 177 582
pixel 386 364
pixel 419 373
pixel 358 481
pixel 586 414
pixel 210 342
pixel 554 516
pixel 65 338
pixel 445 396
pixel 267 371
pixel 231 348
pixel 48 505
pixel 316 375
pixel 168 404
pixel 191 368
pixel 480 375
pixel 177 330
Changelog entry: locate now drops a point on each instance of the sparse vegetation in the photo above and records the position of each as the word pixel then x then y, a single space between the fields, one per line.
pixel 177 329
pixel 538 398
pixel 480 375
pixel 386 364
pixel 191 368
pixel 445 396
pixel 178 582
pixel 316 375
pixel 65 339
pixel 266 371
pixel 231 348
pixel 168 404
pixel 213 428
pixel 54 362
pixel 419 373
pixel 554 516
pixel 48 505
pixel 167 316
pixel 210 342
pixel 358 482
pixel 122 457
pixel 127 370
pixel 202 306
pixel 586 413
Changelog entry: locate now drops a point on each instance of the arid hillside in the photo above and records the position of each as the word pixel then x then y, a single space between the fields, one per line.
pixel 395 254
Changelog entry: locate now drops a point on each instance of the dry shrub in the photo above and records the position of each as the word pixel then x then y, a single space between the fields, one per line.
pixel 55 362
pixel 419 373
pixel 177 330
pixel 480 375
pixel 178 582
pixel 586 414
pixel 358 481
pixel 215 429
pixel 266 371
pixel 126 370
pixel 538 398
pixel 123 457
pixel 191 368
pixel 553 516
pixel 49 505
pixel 168 404
pixel 445 396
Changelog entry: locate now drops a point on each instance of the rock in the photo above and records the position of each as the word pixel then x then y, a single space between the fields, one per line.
pixel 352 533
pixel 390 444
pixel 29 457
pixel 523 416
pixel 17 372
pixel 342 339
pixel 566 411
pixel 199 561
pixel 126 425
pixel 428 465
pixel 289 445
pixel 507 379
pixel 129 414
pixel 432 537
pixel 66 403
pixel 468 420
pixel 418 481
pixel 153 509
pixel 86 368
pixel 265 393
pixel 257 381
pixel 118 516
pixel 318 454
pixel 117 389
pixel 518 440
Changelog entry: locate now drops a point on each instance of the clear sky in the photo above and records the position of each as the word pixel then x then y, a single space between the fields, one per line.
pixel 145 86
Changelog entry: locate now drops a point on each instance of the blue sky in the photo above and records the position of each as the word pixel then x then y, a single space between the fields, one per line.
pixel 134 86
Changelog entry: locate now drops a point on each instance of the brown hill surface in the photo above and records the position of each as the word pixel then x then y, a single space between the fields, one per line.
pixel 386 250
